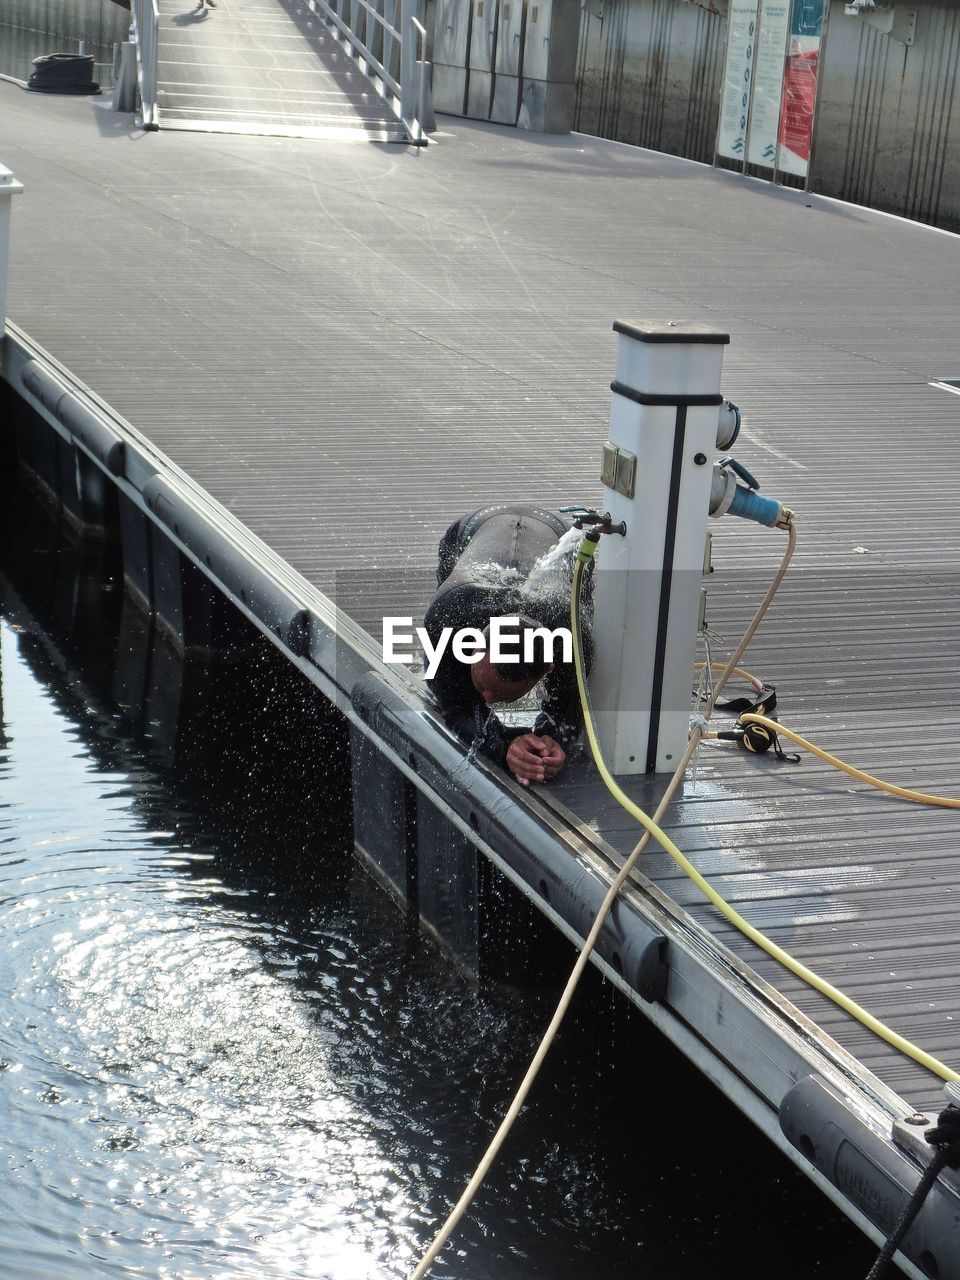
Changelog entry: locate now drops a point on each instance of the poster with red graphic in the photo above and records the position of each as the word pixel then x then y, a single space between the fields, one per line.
pixel 770 83
pixel 800 87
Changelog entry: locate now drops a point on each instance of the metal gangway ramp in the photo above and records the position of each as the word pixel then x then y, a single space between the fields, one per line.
pixel 289 68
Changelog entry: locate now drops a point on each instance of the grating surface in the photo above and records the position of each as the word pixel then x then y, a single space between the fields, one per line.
pixel 262 67
pixel 349 346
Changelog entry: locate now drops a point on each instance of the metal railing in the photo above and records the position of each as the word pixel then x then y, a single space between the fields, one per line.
pixel 144 21
pixel 414 125
pixel 383 39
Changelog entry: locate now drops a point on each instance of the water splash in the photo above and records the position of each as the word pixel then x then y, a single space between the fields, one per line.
pixel 490 573
pixel 549 581
pixel 458 774
pixel 480 739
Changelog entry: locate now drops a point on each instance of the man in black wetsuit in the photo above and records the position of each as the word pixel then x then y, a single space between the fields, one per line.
pixel 484 560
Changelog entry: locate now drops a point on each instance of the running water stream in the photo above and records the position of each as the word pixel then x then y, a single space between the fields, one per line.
pixel 550 578
pixel 461 771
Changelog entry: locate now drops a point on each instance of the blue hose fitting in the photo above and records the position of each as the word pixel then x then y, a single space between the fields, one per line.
pixel 754 506
pixel 727 496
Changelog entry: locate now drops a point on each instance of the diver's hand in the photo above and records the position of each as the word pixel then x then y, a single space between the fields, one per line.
pixel 534 759
pixel 552 755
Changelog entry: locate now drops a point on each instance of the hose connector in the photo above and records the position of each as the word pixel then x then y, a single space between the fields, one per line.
pixel 729 497
pixel 757 739
pixel 751 505
pixel 748 738
pixel 588 545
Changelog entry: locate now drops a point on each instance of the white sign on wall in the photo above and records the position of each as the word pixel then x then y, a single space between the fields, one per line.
pixel 737 73
pixel 763 125
pixel 770 78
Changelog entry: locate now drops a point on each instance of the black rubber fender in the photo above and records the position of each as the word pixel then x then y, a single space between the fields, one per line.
pixel 873 1174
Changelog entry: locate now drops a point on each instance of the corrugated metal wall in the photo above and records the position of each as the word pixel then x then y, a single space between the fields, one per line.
pixel 101 21
pixel 649 73
pixel 887 132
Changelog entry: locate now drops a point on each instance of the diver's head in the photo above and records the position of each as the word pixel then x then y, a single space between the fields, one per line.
pixel 492 687
pixel 505 680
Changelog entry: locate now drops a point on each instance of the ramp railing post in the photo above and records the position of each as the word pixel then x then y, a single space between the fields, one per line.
pixel 125 77
pixel 9 187
pixel 415 112
pixel 408 62
pixel 145 15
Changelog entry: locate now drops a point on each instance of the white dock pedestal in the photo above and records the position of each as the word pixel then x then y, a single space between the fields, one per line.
pixel 656 471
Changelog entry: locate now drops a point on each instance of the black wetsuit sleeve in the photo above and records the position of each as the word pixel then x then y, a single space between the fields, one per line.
pixel 448 551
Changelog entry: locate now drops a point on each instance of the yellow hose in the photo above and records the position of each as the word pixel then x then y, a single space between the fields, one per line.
pixel 737 671
pixel 613 892
pixel 807 975
pixel 905 793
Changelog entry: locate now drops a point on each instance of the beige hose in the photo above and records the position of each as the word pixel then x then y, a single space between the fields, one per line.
pixel 506 1124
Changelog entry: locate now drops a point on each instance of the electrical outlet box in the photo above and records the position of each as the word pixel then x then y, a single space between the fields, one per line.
pixel 618 469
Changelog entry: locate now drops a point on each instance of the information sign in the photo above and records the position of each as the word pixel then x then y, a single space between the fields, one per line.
pixel 763 126
pixel 737 70
pixel 800 86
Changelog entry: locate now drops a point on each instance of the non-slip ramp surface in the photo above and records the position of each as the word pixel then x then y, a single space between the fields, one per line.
pixel 265 67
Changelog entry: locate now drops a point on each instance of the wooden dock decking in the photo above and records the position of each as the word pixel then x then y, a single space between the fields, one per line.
pixel 348 346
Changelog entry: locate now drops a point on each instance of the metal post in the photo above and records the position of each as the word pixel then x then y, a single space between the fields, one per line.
pixel 783 90
pixel 824 31
pixel 9 187
pixel 408 60
pixel 421 33
pixel 753 79
pixel 656 474
pixel 125 80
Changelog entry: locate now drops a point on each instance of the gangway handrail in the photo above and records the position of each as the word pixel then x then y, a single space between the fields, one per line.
pixel 353 39
pixel 406 98
pixel 415 126
pixel 145 20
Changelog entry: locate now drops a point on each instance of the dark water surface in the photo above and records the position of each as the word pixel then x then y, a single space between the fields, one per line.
pixel 225 1053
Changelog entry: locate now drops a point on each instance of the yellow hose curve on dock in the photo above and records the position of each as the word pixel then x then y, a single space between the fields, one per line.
pixel 905 793
pixel 730 913
pixel 737 671
pixel 651 828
